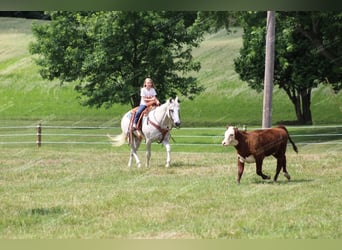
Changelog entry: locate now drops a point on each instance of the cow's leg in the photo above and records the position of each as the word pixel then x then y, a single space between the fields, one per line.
pixel 258 162
pixel 286 174
pixel 241 166
pixel 280 164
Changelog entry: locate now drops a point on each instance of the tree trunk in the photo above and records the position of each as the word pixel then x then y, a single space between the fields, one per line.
pixel 306 103
pixel 301 100
pixel 135 100
pixel 299 113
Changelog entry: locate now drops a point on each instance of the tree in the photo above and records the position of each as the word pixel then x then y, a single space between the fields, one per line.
pixel 212 21
pixel 111 53
pixel 307 53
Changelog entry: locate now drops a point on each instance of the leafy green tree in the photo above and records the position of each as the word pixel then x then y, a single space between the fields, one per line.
pixel 111 53
pixel 307 53
pixel 212 21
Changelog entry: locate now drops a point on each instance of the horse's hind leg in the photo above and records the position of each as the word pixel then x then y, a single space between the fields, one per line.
pixel 148 153
pixel 134 147
pixel 130 158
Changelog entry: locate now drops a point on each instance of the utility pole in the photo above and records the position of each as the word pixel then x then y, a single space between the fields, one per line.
pixel 269 70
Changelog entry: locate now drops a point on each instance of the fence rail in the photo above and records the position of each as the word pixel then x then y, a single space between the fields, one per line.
pixel 41 134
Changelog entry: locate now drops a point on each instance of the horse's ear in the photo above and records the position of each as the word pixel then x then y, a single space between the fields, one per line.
pixel 170 100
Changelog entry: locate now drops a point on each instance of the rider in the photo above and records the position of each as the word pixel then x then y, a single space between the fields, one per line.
pixel 148 95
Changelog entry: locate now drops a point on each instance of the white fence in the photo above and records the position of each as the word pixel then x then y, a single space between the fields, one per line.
pixel 87 135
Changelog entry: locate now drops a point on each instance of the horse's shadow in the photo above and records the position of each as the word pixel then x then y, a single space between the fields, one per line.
pixel 177 165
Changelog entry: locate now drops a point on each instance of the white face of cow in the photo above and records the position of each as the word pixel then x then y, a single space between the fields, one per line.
pixel 229 137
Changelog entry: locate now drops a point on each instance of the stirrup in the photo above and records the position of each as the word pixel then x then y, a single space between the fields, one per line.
pixel 136 132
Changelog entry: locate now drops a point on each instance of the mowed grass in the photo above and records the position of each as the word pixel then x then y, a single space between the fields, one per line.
pixel 66 192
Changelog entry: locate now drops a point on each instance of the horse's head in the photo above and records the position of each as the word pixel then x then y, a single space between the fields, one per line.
pixel 174 111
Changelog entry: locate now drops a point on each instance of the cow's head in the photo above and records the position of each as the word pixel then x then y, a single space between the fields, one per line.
pixel 229 137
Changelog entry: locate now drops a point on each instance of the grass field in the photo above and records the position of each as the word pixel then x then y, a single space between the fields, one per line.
pixel 86 191
pixel 75 192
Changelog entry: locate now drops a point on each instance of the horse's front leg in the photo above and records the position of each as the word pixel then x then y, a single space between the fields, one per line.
pixel 148 152
pixel 167 145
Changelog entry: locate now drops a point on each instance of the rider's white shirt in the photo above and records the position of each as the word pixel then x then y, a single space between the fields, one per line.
pixel 146 93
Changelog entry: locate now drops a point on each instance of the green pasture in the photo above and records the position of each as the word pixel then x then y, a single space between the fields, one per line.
pixel 76 185
pixel 67 191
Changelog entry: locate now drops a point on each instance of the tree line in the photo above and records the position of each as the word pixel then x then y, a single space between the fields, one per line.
pixel 109 53
pixel 25 14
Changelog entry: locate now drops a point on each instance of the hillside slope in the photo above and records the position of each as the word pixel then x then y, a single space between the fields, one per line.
pixel 26 98
pixel 228 99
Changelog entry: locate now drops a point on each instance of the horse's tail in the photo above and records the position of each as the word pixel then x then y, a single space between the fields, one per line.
pixel 118 140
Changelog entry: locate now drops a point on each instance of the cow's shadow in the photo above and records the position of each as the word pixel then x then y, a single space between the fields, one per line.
pixel 282 182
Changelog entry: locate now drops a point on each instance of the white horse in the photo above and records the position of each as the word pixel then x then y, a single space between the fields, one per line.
pixel 155 127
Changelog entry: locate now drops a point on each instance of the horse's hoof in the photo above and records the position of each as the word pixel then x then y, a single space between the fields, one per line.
pixel 138 165
pixel 167 165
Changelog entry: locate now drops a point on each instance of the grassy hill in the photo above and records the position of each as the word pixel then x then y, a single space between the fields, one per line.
pixel 26 98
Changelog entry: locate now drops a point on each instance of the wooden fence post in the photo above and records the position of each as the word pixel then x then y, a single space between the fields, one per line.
pixel 39 135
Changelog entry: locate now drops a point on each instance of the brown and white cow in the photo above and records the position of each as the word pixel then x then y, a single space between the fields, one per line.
pixel 254 146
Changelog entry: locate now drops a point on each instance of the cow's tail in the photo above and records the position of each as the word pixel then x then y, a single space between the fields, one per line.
pixel 292 142
pixel 118 140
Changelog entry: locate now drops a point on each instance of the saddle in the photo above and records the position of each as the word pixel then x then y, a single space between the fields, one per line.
pixel 133 111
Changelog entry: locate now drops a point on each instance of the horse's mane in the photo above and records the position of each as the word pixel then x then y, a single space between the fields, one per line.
pixel 164 105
